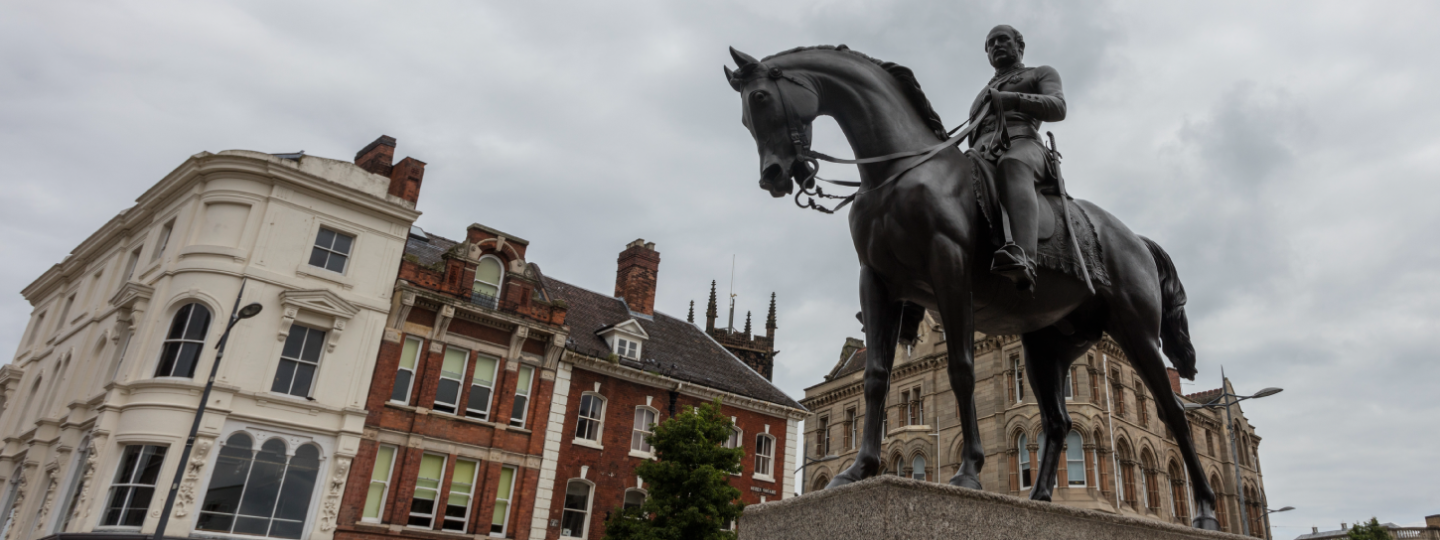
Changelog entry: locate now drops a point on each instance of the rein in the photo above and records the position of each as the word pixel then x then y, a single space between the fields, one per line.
pixel 801 141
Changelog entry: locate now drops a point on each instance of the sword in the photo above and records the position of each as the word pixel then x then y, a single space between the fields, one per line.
pixel 1065 214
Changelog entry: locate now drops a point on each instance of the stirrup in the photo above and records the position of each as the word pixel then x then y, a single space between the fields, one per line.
pixel 1011 263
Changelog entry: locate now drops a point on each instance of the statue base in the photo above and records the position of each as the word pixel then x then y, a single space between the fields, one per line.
pixel 894 508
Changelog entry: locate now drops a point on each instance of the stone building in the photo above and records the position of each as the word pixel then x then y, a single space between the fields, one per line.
pixel 758 352
pixel 577 376
pixel 1116 428
pixel 1431 531
pixel 102 390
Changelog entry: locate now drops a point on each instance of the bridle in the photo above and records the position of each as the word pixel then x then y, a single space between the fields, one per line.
pixel 800 141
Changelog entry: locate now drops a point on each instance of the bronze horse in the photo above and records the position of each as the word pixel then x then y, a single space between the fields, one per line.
pixel 922 241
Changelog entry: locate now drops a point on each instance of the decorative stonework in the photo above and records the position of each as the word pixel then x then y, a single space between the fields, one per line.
pixel 20 489
pixel 330 510
pixel 52 479
pixel 81 509
pixel 185 499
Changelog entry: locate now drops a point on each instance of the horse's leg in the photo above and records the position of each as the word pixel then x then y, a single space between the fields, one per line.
pixel 882 324
pixel 1135 325
pixel 951 281
pixel 1048 355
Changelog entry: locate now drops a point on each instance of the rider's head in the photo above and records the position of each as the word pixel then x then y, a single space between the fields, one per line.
pixel 1005 46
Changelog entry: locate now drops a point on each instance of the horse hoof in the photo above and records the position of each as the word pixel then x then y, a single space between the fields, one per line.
pixel 840 480
pixel 968 482
pixel 1037 495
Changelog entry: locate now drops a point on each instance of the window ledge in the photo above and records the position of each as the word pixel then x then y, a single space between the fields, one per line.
pixel 305 270
pixel 763 478
pixel 642 455
pixel 587 443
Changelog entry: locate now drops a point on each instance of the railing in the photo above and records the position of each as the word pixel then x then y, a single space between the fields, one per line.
pixel 1424 533
pixel 484 300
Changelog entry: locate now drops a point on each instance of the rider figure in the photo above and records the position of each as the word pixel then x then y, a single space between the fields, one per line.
pixel 1028 96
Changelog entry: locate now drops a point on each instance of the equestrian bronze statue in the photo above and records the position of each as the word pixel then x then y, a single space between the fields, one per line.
pixel 927 219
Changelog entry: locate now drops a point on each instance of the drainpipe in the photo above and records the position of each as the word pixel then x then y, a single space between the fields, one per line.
pixel 1109 401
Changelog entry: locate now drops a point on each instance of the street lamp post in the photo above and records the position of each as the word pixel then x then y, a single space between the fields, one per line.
pixel 1267 516
pixel 1226 399
pixel 236 314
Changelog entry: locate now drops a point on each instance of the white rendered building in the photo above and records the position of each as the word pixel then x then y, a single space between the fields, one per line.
pixel 101 394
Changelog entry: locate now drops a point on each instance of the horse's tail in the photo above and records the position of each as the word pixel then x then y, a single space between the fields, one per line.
pixel 1174 326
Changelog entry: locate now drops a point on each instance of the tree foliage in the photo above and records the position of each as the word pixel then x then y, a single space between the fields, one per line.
pixel 1369 531
pixel 690 497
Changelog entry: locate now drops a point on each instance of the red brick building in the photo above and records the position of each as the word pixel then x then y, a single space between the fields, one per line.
pixel 626 366
pixel 488 368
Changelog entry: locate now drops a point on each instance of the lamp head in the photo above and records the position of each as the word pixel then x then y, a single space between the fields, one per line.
pixel 1268 392
pixel 1285 509
pixel 1194 406
pixel 250 310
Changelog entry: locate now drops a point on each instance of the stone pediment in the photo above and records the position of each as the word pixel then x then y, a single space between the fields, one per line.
pixel 130 293
pixel 319 301
pixel 631 327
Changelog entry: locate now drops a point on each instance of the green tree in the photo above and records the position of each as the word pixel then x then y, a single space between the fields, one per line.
pixel 1369 531
pixel 690 497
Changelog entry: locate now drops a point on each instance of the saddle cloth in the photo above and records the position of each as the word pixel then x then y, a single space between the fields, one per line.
pixel 1056 251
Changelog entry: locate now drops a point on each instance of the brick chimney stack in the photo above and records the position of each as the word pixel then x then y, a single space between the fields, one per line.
pixel 635 279
pixel 378 157
pixel 1174 380
pixel 1433 521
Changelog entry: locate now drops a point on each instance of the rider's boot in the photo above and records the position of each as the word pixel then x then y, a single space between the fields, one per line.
pixel 1014 260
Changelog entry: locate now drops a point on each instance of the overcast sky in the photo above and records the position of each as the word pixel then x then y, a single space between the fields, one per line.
pixel 1284 154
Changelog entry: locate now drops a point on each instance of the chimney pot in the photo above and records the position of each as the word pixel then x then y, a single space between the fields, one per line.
pixel 1343 527
pixel 636 275
pixel 1314 530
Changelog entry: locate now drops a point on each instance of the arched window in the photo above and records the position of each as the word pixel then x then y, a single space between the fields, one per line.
pixel 1179 503
pixel 764 455
pixel 634 498
pixel 1152 484
pixel 1127 471
pixel 184 342
pixel 644 426
pixel 261 493
pixel 592 417
pixel 488 278
pixel 820 483
pixel 1222 513
pixel 918 469
pixel 899 465
pixel 575 520
pixel 1023 444
pixel 1075 459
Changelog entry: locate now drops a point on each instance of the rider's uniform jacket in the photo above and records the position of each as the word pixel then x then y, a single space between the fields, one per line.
pixel 1032 96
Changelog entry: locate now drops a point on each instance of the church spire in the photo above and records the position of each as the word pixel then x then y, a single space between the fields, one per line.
pixel 710 310
pixel 747 324
pixel 690 318
pixel 770 319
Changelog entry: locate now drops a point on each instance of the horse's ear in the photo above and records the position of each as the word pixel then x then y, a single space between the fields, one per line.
pixel 730 78
pixel 742 59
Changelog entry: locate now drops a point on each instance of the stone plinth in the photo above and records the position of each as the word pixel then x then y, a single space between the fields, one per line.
pixel 893 508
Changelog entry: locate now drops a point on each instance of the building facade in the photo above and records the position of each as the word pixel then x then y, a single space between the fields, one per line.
pixel 1119 457
pixel 102 391
pixel 460 399
pixel 522 401
pixel 1431 531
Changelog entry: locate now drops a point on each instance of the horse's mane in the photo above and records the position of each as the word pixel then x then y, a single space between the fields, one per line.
pixel 908 84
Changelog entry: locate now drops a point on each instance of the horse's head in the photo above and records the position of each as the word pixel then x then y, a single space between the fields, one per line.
pixel 778 108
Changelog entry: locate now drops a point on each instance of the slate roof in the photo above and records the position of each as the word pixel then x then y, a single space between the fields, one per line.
pixel 854 363
pixel 428 252
pixel 683 350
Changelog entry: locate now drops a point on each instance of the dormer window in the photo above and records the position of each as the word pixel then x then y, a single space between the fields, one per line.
pixel 626 340
pixel 488 277
pixel 626 348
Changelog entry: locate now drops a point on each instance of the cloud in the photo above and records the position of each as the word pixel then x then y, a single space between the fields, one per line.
pixel 1282 153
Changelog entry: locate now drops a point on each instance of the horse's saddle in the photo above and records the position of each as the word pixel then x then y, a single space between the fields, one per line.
pixel 1056 250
